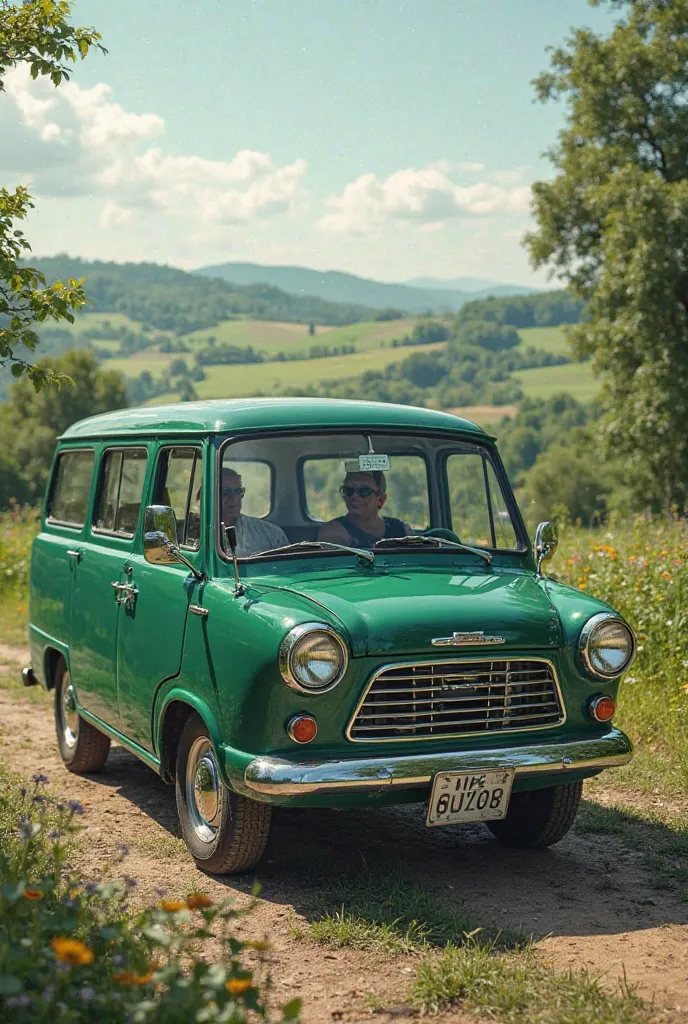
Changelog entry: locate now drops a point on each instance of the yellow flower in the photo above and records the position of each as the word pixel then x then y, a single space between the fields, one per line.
pixel 254 944
pixel 131 979
pixel 172 906
pixel 582 586
pixel 198 900
pixel 238 985
pixel 33 894
pixel 71 951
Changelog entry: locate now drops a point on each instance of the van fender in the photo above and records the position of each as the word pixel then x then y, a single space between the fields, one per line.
pixel 165 745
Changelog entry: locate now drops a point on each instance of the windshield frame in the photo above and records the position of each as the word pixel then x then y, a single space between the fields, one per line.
pixel 436 492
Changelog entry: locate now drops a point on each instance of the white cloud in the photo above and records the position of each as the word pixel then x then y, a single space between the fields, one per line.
pixel 470 165
pixel 511 177
pixel 78 142
pixel 424 196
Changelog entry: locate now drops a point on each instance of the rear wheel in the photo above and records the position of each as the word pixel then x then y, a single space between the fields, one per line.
pixel 225 832
pixel 82 747
pixel 538 817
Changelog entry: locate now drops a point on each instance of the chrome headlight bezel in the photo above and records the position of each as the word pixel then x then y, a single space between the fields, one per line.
pixel 289 646
pixel 587 635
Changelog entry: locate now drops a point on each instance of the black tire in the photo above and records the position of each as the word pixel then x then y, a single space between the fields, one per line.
pixel 538 817
pixel 83 748
pixel 228 833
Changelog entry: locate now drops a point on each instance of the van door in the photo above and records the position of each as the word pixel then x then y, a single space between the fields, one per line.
pixel 150 637
pixel 97 597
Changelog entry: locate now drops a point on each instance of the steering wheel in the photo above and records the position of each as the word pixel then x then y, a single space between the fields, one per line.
pixel 442 533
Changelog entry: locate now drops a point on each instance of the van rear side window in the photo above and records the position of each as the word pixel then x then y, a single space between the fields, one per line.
pixel 71 487
pixel 121 488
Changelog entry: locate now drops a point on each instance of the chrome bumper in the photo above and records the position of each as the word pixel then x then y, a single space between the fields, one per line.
pixel 279 777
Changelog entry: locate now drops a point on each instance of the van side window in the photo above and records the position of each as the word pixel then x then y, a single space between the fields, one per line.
pixel 179 486
pixel 71 487
pixel 119 499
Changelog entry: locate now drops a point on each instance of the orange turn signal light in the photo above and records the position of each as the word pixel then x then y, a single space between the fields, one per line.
pixel 602 708
pixel 302 728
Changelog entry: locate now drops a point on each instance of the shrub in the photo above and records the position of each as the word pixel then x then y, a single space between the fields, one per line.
pixel 72 950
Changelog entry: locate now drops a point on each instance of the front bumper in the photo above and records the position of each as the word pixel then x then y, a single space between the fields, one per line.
pixel 274 777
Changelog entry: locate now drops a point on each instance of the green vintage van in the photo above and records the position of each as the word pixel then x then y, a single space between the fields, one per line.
pixel 316 603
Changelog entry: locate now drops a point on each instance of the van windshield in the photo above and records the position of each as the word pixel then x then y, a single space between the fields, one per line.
pixel 356 489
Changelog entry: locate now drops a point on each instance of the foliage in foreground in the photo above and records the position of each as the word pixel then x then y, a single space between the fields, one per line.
pixel 72 951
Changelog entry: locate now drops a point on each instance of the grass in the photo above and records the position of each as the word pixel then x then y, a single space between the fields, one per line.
pixel 384 909
pixel 549 339
pixel 662 840
pixel 545 381
pixel 272 336
pixel 518 989
pixel 641 569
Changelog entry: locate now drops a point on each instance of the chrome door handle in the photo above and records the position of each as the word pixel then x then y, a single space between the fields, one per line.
pixel 74 554
pixel 126 593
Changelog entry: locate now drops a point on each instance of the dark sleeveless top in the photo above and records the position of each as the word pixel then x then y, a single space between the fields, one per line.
pixel 361 539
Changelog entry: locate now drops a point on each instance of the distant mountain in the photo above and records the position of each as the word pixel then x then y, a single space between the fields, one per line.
pixel 469 284
pixel 335 286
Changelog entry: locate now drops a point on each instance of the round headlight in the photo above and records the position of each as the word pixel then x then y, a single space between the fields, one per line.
pixel 607 645
pixel 312 658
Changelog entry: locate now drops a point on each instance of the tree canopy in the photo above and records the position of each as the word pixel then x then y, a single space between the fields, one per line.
pixel 613 224
pixel 36 33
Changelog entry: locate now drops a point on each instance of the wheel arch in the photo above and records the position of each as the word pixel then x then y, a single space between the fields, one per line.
pixel 175 711
pixel 51 660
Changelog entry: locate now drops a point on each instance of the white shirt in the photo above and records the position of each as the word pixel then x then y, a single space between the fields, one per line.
pixel 254 535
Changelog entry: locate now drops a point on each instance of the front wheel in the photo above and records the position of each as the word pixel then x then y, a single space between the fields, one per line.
pixel 538 817
pixel 82 747
pixel 226 833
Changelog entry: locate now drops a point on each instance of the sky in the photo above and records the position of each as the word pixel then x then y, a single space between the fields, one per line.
pixel 392 139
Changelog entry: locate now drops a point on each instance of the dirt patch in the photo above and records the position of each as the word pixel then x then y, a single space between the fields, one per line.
pixel 591 896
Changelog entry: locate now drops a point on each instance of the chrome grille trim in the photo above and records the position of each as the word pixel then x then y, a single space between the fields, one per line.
pixel 507 695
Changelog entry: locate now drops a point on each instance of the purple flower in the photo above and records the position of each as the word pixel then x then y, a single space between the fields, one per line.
pixel 55 834
pixel 22 791
pixel 38 779
pixel 117 959
pixel 75 807
pixel 25 829
pixel 38 799
pixel 130 882
pixel 48 993
pixel 161 892
pixel 87 994
pixel 21 1000
pixel 90 888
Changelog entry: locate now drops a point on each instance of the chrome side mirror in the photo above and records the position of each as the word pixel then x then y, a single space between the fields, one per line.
pixel 160 539
pixel 545 543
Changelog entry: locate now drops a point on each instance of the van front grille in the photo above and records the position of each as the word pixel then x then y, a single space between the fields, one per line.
pixel 460 698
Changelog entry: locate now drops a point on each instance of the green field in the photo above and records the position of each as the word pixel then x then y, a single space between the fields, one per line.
pixel 85 322
pixel 575 378
pixel 550 339
pixel 271 337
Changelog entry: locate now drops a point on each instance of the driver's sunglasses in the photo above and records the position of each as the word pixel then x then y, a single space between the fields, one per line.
pixel 363 492
pixel 227 492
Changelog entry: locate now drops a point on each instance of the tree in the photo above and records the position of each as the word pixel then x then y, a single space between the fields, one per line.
pixel 613 224
pixel 492 336
pixel 33 422
pixel 36 33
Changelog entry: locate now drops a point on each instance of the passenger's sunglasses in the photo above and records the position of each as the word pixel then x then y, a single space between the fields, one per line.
pixel 363 492
pixel 227 492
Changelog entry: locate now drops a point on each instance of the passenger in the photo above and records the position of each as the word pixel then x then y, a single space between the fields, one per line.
pixel 364 495
pixel 253 535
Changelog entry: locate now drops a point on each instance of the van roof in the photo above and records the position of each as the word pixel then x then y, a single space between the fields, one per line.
pixel 242 414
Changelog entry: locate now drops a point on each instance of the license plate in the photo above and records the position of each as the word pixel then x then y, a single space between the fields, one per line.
pixel 469 796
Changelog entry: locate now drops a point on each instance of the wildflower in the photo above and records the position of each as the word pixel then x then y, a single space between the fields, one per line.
pixel 39 779
pixel 172 906
pixel 55 834
pixel 131 979
pixel 130 882
pixel 122 849
pixel 71 951
pixel 118 959
pixel 198 900
pixel 87 994
pixel 75 807
pixel 20 1000
pixel 237 986
pixel 33 894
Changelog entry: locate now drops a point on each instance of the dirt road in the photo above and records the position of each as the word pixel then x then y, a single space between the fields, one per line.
pixel 593 896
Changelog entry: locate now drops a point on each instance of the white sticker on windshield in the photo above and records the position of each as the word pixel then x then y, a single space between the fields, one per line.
pixel 373 463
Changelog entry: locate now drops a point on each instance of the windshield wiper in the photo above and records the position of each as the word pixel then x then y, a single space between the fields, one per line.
pixel 419 539
pixel 314 545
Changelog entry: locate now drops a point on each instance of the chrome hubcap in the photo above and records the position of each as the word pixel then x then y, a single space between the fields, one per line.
pixel 69 713
pixel 203 790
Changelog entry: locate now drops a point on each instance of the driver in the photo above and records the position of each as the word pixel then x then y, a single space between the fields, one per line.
pixel 253 535
pixel 364 495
